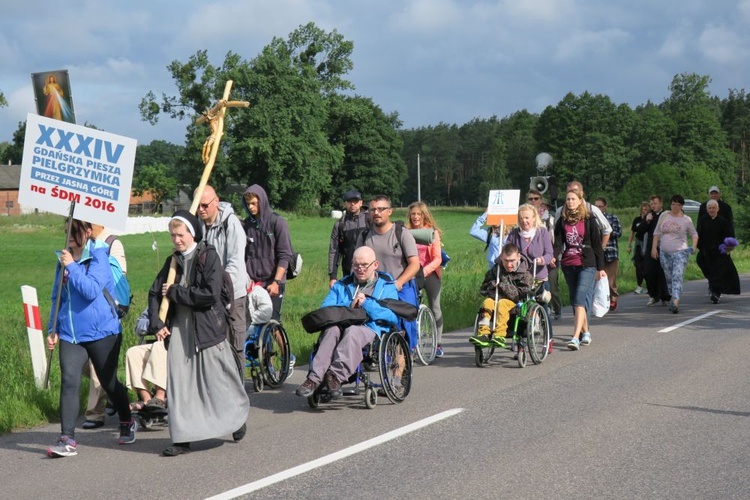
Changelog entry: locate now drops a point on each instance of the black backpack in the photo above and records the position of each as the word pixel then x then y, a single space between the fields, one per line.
pixel 227 287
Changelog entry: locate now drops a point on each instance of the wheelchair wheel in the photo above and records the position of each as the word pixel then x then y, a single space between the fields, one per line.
pixel 482 355
pixel 538 333
pixel 313 401
pixel 427 335
pixel 371 398
pixel 258 382
pixel 274 354
pixel 521 356
pixel 395 365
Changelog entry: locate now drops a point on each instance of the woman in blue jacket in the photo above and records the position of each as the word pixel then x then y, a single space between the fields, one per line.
pixel 87 327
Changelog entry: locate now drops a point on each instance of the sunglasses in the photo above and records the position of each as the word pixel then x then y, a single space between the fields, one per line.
pixel 533 198
pixel 205 205
pixel 379 209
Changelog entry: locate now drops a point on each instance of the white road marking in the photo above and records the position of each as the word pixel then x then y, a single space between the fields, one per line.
pixel 333 457
pixel 693 320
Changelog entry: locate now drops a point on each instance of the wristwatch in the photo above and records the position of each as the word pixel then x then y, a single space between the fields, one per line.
pixel 278 282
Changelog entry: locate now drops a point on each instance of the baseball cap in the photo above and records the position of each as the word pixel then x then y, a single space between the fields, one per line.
pixel 352 195
pixel 714 188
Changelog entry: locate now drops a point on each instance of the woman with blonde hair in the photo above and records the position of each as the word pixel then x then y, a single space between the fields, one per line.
pixel 430 258
pixel 533 239
pixel 578 247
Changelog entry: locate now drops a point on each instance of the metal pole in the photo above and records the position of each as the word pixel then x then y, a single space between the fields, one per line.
pixel 59 278
pixel 419 180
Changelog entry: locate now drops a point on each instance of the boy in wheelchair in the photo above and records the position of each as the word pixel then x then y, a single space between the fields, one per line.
pixel 340 349
pixel 510 280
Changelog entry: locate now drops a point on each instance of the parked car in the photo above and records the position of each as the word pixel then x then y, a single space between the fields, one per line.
pixel 691 206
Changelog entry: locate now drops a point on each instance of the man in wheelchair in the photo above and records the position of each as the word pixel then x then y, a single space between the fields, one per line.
pixel 513 281
pixel 340 349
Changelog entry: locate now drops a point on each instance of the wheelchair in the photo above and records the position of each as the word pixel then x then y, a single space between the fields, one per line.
pixel 267 355
pixel 530 326
pixel 391 355
pixel 426 333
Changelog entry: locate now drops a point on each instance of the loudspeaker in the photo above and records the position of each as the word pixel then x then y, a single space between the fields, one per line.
pixel 539 183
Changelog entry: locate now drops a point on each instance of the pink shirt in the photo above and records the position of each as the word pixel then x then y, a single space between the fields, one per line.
pixel 573 254
pixel 674 231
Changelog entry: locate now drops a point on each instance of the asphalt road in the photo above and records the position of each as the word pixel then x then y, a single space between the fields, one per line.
pixel 646 411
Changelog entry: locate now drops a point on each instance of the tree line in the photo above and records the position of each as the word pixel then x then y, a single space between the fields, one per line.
pixel 307 137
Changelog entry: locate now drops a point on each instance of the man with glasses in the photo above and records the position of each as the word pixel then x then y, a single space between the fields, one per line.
pixel 223 229
pixel 345 234
pixel 396 250
pixel 268 250
pixel 548 219
pixel 340 349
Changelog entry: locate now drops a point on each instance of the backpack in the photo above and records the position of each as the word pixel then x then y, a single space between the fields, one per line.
pixel 295 266
pixel 120 303
pixel 419 277
pixel 227 287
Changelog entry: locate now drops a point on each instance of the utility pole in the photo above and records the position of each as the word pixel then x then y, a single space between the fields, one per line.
pixel 419 181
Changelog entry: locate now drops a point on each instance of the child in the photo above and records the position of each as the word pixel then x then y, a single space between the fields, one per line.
pixel 513 280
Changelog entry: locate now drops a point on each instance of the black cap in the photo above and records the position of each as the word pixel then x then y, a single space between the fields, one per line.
pixel 352 195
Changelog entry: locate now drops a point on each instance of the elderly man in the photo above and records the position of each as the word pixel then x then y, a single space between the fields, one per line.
pixel 345 234
pixel 223 229
pixel 724 208
pixel 340 350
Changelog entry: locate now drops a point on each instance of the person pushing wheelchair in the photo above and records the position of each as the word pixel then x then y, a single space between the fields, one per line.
pixel 511 278
pixel 340 349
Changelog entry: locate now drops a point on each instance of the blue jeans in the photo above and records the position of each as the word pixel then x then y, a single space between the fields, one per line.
pixel 580 282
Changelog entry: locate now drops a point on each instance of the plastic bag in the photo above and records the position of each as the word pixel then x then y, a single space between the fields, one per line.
pixel 600 304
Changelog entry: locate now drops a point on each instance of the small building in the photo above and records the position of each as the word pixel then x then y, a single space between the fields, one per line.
pixel 10 179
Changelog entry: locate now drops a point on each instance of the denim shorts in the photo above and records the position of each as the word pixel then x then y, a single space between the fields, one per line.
pixel 580 282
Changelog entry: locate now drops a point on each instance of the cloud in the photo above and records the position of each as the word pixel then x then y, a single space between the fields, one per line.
pixel 583 44
pixel 720 44
pixel 431 17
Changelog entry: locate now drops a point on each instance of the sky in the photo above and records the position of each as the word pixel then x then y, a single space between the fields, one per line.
pixel 431 61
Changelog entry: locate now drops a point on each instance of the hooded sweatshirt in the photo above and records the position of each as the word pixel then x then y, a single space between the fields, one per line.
pixel 227 235
pixel 268 244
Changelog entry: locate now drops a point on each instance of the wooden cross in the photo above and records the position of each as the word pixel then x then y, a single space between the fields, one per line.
pixel 215 119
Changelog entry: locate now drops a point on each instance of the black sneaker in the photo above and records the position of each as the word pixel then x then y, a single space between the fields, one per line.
pixel 177 449
pixel 95 424
pixel 240 433
pixel 714 298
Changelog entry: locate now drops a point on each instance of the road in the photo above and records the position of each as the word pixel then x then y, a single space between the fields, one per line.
pixel 646 411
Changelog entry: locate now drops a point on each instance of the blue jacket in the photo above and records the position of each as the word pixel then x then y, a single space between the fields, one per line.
pixel 85 314
pixel 342 294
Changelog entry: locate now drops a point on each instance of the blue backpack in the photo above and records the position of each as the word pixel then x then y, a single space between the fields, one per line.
pixel 121 301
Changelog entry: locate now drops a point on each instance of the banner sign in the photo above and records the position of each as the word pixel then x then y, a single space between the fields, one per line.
pixel 503 206
pixel 64 162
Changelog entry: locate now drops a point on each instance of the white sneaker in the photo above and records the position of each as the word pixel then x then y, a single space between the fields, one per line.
pixel 638 290
pixel 651 302
pixel 586 338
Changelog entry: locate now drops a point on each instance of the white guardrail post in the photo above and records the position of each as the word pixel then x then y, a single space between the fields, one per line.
pixel 36 336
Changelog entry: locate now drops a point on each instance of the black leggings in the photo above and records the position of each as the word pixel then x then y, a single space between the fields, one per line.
pixel 104 355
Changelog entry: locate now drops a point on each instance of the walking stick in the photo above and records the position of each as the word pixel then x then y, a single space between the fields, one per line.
pixel 215 118
pixel 69 226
